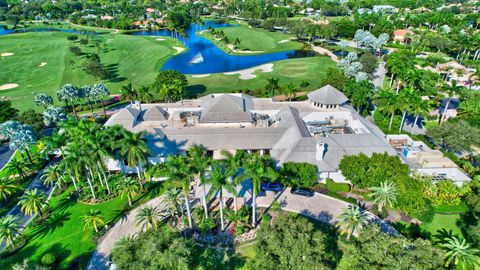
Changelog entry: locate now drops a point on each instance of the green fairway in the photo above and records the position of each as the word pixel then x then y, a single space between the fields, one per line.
pixel 311 70
pixel 254 39
pixel 130 58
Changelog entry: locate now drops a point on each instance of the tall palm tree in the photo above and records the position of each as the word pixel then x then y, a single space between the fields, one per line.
pixel 233 164
pixel 9 228
pixel 290 90
pixel 460 254
pixel 385 194
pixel 179 172
pixel 419 107
pixel 173 200
pixel 100 92
pixel 256 168
pixel 387 102
pixel 353 218
pixel 406 97
pixel 135 149
pixel 272 85
pixel 128 187
pixel 51 175
pixel 148 217
pixel 7 187
pixel 17 166
pixel 218 180
pixel 32 202
pixel 93 218
pixel 451 91
pixel 199 162
pixel 97 154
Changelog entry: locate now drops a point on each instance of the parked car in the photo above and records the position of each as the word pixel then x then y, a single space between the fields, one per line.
pixel 302 191
pixel 276 187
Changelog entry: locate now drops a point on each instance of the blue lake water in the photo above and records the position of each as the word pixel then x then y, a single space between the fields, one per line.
pixel 214 59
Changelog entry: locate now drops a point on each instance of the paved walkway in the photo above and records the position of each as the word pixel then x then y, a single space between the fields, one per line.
pixel 379 75
pixel 24 220
pixel 321 207
pixel 321 50
pixel 5 154
pixel 125 227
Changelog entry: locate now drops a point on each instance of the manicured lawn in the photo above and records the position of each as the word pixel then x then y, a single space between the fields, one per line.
pixel 254 39
pixel 310 69
pixel 130 58
pixel 63 234
pixel 442 221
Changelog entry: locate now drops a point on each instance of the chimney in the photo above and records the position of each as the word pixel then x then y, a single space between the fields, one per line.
pixel 321 149
pixel 138 105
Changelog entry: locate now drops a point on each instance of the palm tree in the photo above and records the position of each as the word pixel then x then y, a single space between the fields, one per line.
pixel 128 187
pixel 257 168
pixel 218 181
pixel 128 92
pixel 134 147
pixel 290 90
pixel 406 97
pixel 451 91
pixel 236 43
pixel 272 85
pixel 173 200
pixel 9 228
pixel 233 165
pixel 32 202
pixel 199 162
pixel 7 187
pixel 385 194
pixel 353 218
pixel 52 175
pixel 17 166
pixel 53 115
pixel 460 254
pixel 148 217
pixel 69 93
pixel 419 106
pixel 93 218
pixel 179 172
pixel 387 102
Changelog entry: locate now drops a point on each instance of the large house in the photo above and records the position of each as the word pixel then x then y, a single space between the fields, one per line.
pixel 320 130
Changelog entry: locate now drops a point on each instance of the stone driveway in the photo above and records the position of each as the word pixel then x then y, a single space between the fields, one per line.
pixel 320 207
pixel 124 227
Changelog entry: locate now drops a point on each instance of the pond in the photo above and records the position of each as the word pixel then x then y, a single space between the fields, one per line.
pixel 204 57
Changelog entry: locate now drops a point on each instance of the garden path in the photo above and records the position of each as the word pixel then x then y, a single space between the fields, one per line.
pixel 22 219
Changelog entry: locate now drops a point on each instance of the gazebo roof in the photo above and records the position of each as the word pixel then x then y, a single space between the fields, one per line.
pixel 327 95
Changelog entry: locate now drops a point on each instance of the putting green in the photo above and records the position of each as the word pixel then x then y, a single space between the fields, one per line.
pixel 130 58
pixel 311 70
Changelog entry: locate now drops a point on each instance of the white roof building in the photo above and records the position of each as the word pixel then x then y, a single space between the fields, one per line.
pixel 319 131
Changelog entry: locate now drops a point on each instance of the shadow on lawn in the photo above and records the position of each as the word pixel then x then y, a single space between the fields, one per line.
pixel 113 71
pixel 53 222
pixel 196 90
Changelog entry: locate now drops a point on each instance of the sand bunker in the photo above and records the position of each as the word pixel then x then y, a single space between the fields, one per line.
pixel 283 41
pixel 179 49
pixel 42 64
pixel 160 39
pixel 232 47
pixel 200 75
pixel 247 74
pixel 8 86
pixel 6 54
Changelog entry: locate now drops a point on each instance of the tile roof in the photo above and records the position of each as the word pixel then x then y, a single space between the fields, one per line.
pixel 328 95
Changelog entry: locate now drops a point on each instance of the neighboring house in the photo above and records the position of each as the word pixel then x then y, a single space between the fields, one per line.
pixel 454 71
pixel 386 9
pixel 403 36
pixel 106 18
pixel 320 130
pixel 425 161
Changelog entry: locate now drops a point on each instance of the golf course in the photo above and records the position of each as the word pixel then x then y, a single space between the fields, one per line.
pixel 42 62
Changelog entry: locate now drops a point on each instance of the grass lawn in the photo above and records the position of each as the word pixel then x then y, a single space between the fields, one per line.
pixel 254 39
pixel 310 69
pixel 63 234
pixel 130 58
pixel 442 221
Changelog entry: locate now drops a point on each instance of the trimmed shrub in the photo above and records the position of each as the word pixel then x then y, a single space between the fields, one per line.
pixel 337 187
pixel 48 260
